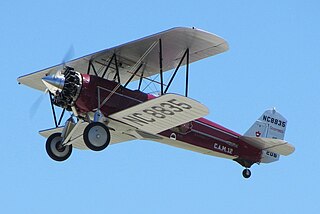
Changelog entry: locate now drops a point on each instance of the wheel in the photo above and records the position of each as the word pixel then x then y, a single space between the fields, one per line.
pixel 246 173
pixel 55 149
pixel 96 136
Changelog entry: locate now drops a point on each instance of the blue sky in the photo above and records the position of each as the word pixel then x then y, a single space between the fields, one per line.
pixel 273 61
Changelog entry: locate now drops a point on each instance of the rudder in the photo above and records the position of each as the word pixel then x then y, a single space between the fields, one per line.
pixel 271 124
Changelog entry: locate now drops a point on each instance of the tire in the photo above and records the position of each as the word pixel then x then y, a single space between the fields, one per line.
pixel 55 150
pixel 246 173
pixel 96 136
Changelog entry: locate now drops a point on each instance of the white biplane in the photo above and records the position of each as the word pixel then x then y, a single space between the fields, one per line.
pixel 105 111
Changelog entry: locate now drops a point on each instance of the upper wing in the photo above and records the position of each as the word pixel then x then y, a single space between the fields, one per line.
pixel 273 145
pixel 175 41
pixel 161 113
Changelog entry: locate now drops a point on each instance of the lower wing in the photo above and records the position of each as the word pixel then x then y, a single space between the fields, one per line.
pixel 161 113
pixel 77 139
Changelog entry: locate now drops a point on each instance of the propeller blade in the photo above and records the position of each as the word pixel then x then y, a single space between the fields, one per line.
pixel 35 106
pixel 68 56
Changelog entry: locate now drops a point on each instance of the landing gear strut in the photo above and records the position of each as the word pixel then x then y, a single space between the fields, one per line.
pixel 246 173
pixel 56 150
pixel 96 136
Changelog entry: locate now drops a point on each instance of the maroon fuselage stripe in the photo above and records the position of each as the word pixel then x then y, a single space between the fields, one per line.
pixel 204 133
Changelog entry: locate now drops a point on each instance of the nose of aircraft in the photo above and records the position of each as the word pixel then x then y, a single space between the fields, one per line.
pixel 54 82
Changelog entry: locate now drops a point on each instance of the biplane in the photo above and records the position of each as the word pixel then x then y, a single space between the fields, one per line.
pixel 105 111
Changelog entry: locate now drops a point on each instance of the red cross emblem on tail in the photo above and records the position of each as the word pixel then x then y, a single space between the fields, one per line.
pixel 258 134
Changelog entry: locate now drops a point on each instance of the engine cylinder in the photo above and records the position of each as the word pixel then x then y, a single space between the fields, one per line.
pixel 71 89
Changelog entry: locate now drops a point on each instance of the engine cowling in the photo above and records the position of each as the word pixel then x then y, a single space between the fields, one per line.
pixel 70 91
pixel 65 86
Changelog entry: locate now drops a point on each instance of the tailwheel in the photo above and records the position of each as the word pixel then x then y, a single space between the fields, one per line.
pixel 56 150
pixel 96 136
pixel 246 173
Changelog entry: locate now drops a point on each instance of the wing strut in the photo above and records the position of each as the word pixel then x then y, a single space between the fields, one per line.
pixel 160 64
pixel 113 58
pixel 53 111
pixel 187 73
pixel 137 66
pixel 186 53
pixel 140 81
pixel 129 80
pixel 94 69
pixel 117 69
pixel 109 63
pixel 56 122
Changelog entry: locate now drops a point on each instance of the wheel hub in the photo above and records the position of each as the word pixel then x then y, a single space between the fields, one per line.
pixel 56 150
pixel 59 147
pixel 97 136
pixel 246 173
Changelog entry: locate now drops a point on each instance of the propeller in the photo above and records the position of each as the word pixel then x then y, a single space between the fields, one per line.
pixel 36 104
pixel 68 55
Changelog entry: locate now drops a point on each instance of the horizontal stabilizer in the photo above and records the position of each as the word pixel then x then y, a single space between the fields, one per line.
pixel 273 145
pixel 161 113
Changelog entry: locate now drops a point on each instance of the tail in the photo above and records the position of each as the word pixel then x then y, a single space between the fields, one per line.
pixel 271 124
pixel 267 134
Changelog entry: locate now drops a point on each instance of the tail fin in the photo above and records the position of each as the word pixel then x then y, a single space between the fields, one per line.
pixel 271 124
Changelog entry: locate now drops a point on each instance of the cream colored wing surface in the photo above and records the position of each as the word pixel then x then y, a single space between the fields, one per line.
pixel 144 51
pixel 77 139
pixel 273 145
pixel 161 113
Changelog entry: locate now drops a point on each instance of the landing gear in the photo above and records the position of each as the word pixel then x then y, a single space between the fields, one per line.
pixel 56 150
pixel 96 136
pixel 246 173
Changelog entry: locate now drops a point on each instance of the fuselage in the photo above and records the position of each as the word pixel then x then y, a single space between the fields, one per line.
pixel 199 135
